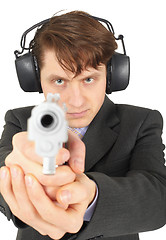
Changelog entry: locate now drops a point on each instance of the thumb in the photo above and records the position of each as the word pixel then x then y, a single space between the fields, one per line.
pixel 77 153
pixel 69 194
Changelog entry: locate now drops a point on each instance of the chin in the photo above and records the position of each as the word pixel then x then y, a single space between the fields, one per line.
pixel 78 123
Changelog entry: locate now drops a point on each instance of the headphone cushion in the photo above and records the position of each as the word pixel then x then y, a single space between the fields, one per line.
pixel 28 73
pixel 118 73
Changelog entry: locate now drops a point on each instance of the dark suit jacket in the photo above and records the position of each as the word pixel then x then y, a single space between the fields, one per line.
pixel 124 156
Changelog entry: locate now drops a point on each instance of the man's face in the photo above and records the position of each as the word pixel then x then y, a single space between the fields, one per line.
pixel 83 94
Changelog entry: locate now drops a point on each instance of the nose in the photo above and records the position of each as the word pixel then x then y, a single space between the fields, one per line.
pixel 76 98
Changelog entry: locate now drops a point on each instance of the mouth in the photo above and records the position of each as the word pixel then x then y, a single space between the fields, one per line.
pixel 77 114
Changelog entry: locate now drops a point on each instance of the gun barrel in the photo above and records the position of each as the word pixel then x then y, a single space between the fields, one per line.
pixel 48 120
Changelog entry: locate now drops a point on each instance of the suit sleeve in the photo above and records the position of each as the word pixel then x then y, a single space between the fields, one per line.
pixel 11 127
pixel 137 202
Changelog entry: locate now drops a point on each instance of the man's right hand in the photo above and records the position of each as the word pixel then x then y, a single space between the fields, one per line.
pixel 24 155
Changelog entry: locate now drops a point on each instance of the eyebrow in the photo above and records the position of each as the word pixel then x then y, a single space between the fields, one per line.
pixel 54 76
pixel 86 75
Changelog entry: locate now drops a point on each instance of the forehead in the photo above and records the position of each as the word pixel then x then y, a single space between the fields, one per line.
pixel 51 67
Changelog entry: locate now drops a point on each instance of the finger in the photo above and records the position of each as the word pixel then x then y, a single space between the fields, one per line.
pixel 51 193
pixel 77 153
pixel 63 175
pixel 62 156
pixel 25 211
pixel 17 158
pixel 26 147
pixel 18 185
pixel 71 194
pixel 6 187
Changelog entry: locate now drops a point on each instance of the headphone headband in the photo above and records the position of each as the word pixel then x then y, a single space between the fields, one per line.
pixel 37 25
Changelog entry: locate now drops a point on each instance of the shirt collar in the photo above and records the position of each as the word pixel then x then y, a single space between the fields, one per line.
pixel 79 131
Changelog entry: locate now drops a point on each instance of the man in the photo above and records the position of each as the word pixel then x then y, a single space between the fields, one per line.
pixel 114 185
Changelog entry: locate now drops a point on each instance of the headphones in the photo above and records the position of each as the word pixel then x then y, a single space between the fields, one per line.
pixel 28 72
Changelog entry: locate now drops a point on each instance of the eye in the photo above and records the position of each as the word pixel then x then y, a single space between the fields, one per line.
pixel 59 82
pixel 89 80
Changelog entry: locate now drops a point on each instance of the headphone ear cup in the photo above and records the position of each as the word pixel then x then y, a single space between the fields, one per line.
pixel 118 73
pixel 28 73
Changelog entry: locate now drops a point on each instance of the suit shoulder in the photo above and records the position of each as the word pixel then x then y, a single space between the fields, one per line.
pixel 22 110
pixel 128 107
pixel 19 113
pixel 137 112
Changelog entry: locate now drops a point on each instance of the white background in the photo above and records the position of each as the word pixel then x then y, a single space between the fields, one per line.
pixel 143 23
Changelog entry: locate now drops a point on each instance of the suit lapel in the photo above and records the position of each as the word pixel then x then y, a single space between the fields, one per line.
pixel 100 136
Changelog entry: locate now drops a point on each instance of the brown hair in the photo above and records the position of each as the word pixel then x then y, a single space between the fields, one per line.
pixel 79 41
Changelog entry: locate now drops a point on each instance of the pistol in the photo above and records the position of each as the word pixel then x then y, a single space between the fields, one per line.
pixel 47 127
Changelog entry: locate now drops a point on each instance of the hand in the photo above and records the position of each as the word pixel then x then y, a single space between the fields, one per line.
pixel 38 210
pixel 24 155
